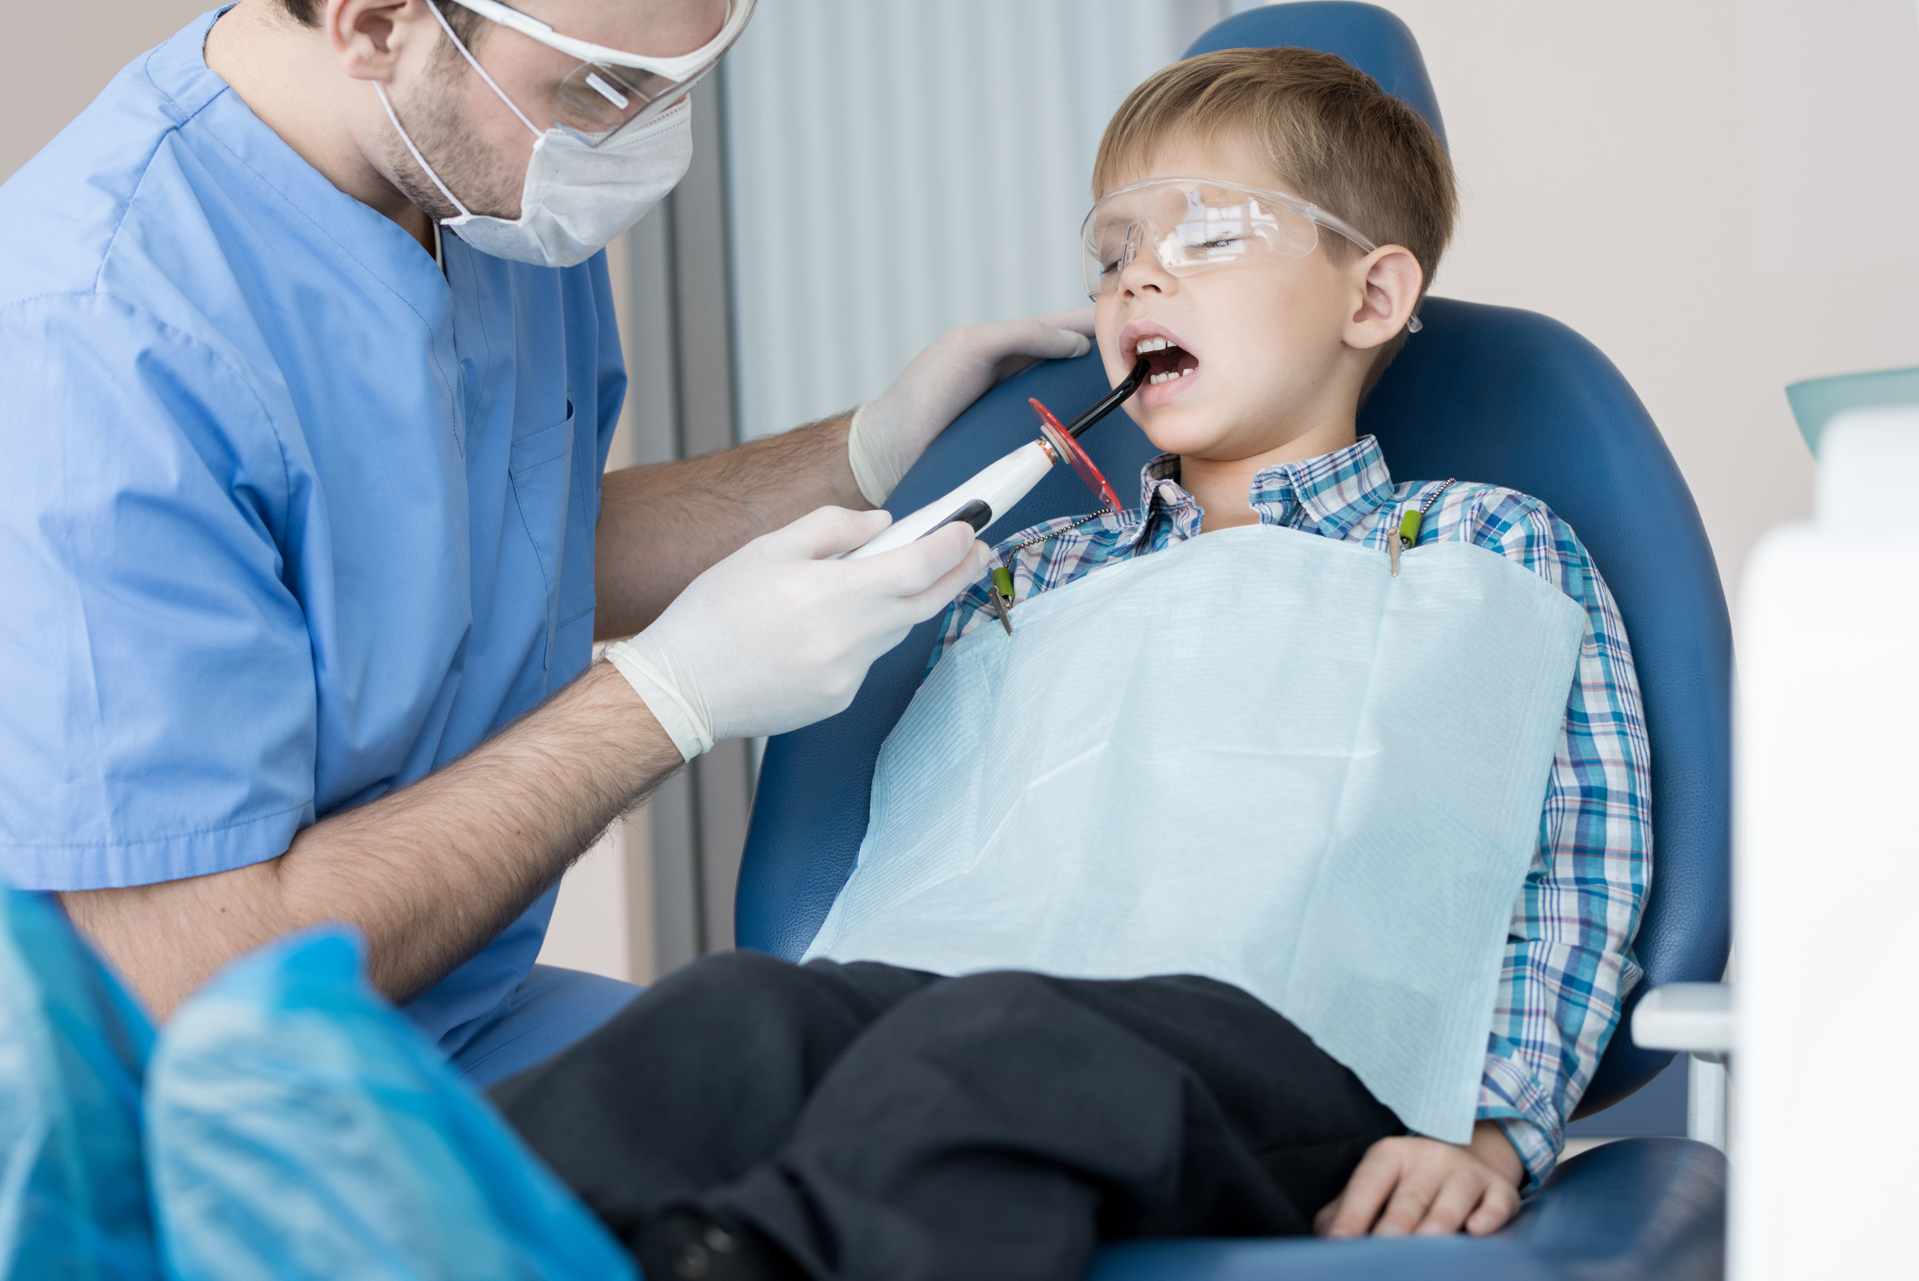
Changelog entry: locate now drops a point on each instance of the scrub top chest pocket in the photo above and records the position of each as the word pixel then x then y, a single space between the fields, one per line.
pixel 541 472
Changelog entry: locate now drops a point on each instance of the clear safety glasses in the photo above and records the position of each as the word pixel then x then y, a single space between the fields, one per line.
pixel 613 91
pixel 1197 224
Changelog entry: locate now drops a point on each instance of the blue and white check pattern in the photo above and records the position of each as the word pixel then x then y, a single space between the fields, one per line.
pixel 1569 961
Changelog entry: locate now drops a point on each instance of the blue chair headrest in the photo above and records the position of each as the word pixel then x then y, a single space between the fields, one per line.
pixel 1363 34
pixel 1483 394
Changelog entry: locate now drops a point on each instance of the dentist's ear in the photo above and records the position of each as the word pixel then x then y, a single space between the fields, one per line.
pixel 1387 282
pixel 368 35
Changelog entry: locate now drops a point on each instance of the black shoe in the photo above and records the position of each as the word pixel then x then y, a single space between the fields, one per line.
pixel 686 1245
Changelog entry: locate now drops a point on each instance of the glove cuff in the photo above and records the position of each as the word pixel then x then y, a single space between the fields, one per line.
pixel 683 723
pixel 873 471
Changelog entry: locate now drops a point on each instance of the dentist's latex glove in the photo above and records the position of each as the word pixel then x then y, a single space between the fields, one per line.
pixel 892 430
pixel 780 633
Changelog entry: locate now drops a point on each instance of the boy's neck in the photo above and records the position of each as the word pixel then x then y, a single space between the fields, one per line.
pixel 1223 487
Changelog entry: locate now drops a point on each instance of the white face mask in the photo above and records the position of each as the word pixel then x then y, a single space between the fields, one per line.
pixel 579 196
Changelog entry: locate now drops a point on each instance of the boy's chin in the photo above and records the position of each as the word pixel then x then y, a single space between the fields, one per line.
pixel 1178 430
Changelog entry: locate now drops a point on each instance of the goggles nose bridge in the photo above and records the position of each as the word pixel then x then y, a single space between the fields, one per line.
pixel 1129 248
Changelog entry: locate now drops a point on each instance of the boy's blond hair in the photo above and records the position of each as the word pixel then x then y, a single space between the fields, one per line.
pixel 1330 135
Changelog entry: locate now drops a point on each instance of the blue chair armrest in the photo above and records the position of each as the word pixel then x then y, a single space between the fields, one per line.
pixel 1626 1211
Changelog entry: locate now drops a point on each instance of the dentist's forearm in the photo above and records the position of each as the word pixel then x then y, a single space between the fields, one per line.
pixel 427 874
pixel 663 524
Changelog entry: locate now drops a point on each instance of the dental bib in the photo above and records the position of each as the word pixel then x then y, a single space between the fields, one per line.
pixel 1257 756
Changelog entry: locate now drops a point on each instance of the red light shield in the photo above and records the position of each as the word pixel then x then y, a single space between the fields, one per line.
pixel 1072 455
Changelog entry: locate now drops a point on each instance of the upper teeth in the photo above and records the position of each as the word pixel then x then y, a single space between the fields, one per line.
pixel 1146 345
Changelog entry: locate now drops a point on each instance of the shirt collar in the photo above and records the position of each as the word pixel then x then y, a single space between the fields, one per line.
pixel 381 247
pixel 1337 490
pixel 1334 491
pixel 1161 494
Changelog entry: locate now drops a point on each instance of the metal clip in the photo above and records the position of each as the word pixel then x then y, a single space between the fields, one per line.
pixel 1405 536
pixel 1403 539
pixel 1003 596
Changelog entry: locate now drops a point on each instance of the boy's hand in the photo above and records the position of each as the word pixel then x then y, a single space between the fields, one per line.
pixel 1414 1186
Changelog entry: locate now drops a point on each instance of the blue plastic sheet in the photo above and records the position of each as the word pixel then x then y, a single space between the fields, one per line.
pixel 73 1050
pixel 300 1129
pixel 1817 401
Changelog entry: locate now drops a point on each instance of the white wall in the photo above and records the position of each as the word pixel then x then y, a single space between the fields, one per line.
pixel 1719 193
pixel 60 55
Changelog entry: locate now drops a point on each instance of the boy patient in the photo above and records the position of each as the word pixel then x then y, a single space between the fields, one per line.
pixel 750 1117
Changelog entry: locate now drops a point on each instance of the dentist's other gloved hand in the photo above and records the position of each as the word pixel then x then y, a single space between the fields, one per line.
pixel 780 633
pixel 891 431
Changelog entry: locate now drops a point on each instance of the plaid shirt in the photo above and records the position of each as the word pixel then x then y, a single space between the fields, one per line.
pixel 1569 961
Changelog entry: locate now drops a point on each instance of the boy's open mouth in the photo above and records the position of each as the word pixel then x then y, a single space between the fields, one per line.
pixel 1167 360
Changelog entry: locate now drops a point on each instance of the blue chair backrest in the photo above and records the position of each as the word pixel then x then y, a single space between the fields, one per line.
pixel 1484 394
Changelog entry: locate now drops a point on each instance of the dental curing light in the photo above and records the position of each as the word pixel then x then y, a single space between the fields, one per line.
pixel 992 492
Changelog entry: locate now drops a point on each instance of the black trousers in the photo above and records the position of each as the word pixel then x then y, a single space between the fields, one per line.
pixel 882 1123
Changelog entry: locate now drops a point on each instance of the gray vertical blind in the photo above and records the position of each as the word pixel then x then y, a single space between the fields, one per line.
pixel 897 167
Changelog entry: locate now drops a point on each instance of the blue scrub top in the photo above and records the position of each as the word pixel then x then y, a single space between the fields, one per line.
pixel 288 518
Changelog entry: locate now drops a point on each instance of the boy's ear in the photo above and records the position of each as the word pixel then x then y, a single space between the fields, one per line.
pixel 1389 280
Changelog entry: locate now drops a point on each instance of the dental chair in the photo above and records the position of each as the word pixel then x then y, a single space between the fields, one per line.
pixel 1485 394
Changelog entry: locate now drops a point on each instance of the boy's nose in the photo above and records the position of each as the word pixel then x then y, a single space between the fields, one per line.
pixel 1145 272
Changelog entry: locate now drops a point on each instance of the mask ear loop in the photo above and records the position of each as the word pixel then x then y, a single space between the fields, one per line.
pixel 414 151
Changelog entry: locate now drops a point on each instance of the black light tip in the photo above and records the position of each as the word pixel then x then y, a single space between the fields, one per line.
pixel 1113 400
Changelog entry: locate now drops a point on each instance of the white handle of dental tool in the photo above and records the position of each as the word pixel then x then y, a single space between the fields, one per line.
pixel 999 486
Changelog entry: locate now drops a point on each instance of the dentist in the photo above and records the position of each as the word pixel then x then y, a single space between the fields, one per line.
pixel 310 371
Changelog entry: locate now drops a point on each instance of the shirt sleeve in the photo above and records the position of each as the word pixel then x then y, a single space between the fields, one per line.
pixel 166 724
pixel 1569 962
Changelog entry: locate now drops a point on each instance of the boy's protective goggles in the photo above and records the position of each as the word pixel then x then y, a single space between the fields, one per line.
pixel 1199 224
pixel 612 90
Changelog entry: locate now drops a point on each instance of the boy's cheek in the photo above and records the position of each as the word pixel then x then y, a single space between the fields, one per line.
pixel 1117 367
pixel 1109 318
